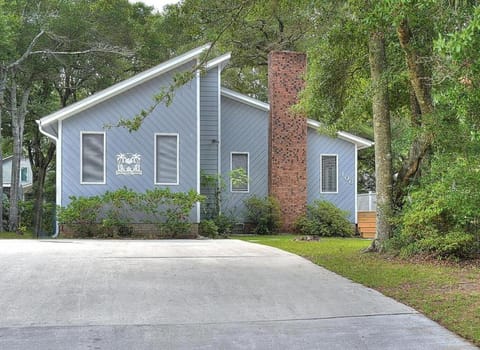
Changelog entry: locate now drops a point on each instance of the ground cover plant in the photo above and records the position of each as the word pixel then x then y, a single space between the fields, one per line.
pixel 446 292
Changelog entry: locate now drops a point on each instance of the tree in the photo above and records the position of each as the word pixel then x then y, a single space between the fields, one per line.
pixel 383 138
pixel 38 49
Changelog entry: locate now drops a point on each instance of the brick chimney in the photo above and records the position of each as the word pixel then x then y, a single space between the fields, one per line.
pixel 287 135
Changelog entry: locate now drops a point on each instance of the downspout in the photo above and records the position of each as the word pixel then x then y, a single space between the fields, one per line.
pixel 55 139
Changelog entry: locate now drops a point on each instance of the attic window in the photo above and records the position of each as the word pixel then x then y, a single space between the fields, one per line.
pixel 328 173
pixel 92 158
pixel 166 159
pixel 239 166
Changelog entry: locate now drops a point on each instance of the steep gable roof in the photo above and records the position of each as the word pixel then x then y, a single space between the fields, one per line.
pixel 125 85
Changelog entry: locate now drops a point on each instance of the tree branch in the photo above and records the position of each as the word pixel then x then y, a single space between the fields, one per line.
pixel 27 52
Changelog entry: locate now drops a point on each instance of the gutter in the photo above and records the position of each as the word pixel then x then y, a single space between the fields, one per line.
pixel 55 139
pixel 42 131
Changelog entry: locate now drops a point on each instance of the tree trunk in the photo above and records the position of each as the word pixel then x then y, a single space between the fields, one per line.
pixel 383 139
pixel 18 124
pixel 40 162
pixel 3 84
pixel 38 205
pixel 421 104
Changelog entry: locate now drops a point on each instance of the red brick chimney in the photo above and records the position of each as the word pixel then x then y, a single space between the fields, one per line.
pixel 287 135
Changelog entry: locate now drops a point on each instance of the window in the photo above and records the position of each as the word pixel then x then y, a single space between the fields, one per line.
pixel 166 159
pixel 328 173
pixel 92 158
pixel 240 172
pixel 23 174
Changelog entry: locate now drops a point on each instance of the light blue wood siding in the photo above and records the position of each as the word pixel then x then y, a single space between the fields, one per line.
pixel 244 129
pixel 180 117
pixel 321 144
pixel 209 129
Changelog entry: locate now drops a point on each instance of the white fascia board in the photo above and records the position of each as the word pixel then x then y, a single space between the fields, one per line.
pixel 357 140
pixel 219 61
pixel 123 85
pixel 245 99
pixel 360 142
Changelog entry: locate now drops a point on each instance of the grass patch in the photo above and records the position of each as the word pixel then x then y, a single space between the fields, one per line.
pixel 445 292
pixel 14 235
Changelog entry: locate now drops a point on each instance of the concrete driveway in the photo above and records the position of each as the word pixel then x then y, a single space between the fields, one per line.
pixel 193 294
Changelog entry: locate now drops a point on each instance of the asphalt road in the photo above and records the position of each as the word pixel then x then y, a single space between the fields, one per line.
pixel 193 294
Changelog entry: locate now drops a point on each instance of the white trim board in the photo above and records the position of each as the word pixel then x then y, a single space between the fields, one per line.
pixel 197 77
pixel 124 85
pixel 336 172
pixel 104 157
pixel 155 160
pixel 360 142
pixel 248 172
pixel 219 61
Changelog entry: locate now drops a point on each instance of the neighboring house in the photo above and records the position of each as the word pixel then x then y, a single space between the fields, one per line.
pixel 207 129
pixel 25 176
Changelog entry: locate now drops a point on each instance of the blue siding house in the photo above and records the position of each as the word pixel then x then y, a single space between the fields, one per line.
pixel 207 129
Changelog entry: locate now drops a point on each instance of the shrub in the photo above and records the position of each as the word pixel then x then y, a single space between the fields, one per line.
pixel 82 214
pixel 27 213
pixel 208 228
pixel 169 209
pixel 440 214
pixel 325 219
pixel 111 213
pixel 264 214
pixel 225 224
pixel 119 206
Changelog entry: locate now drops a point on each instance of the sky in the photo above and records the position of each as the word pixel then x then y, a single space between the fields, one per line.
pixel 158 4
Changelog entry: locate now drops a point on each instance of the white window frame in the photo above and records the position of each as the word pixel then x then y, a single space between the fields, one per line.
pixel 104 157
pixel 248 172
pixel 321 172
pixel 155 159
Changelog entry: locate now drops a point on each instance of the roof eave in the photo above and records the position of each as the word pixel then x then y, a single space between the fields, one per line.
pixel 360 142
pixel 219 61
pixel 245 99
pixel 123 86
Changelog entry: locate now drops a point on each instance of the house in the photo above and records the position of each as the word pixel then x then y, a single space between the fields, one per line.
pixel 206 129
pixel 25 176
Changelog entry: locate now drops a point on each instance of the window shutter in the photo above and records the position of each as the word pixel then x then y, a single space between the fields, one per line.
pixel 329 173
pixel 93 158
pixel 167 159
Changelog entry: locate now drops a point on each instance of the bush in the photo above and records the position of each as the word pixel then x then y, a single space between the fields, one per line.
pixel 439 216
pixel 170 210
pixel 27 213
pixel 82 214
pixel 264 214
pixel 224 223
pixel 111 213
pixel 208 228
pixel 325 219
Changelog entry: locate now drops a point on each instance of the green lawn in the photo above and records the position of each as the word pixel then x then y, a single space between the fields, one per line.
pixel 446 293
pixel 14 235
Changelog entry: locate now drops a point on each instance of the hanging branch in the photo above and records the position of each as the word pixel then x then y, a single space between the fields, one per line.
pixel 166 95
